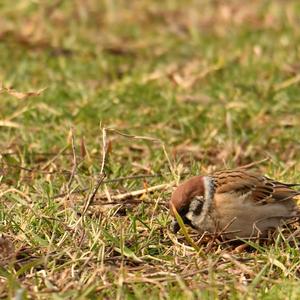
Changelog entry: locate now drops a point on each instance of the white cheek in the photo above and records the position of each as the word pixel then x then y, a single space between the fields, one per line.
pixel 194 204
pixel 190 215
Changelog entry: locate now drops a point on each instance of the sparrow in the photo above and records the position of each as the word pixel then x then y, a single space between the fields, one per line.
pixel 234 204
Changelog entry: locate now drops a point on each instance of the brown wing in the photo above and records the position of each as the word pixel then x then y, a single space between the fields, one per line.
pixel 262 189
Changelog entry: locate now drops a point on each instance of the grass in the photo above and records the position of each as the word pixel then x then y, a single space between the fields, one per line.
pixel 217 83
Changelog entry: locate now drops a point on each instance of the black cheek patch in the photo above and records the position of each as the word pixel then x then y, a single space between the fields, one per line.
pixel 175 227
pixel 182 212
pixel 188 222
pixel 197 211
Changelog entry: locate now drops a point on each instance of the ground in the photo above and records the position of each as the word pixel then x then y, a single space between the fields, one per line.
pixel 104 98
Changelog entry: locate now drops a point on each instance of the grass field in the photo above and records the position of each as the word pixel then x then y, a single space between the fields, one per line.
pixel 147 93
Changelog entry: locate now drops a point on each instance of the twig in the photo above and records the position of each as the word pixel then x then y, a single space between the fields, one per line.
pixel 126 202
pixel 226 227
pixel 131 177
pixel 9 165
pixel 253 163
pixel 101 177
pixel 172 169
pixel 137 137
pixel 67 172
pixel 49 162
pixel 110 181
pixel 139 192
pixel 293 235
pixel 285 84
pixel 217 234
pixel 156 140
pixel 117 179
pixel 4 123
pixel 91 197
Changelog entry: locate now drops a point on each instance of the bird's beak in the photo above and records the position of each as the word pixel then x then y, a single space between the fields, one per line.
pixel 174 226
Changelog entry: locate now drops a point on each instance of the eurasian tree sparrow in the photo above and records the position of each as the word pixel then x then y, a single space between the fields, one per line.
pixel 234 203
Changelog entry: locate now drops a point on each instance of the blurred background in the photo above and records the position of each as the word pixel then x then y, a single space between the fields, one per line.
pixel 217 81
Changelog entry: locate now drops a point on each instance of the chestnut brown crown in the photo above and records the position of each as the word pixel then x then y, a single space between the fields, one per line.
pixel 182 198
pixel 185 192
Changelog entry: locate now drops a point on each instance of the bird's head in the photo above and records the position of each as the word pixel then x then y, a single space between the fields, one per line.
pixel 188 201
